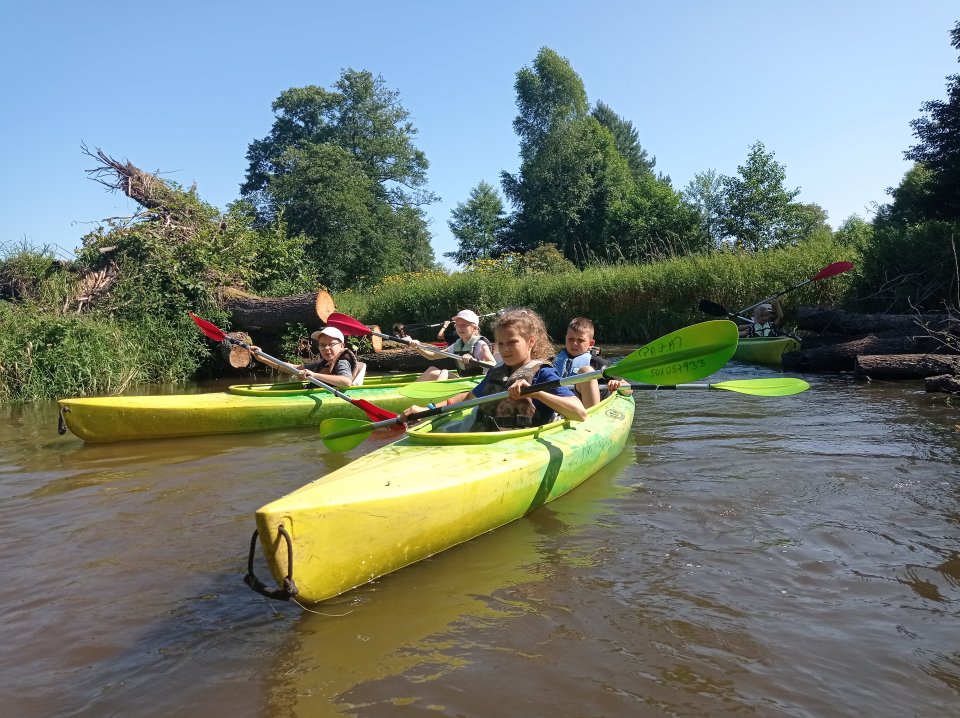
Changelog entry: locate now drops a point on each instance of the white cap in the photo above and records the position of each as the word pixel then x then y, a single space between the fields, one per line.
pixel 329 331
pixel 468 316
pixel 768 307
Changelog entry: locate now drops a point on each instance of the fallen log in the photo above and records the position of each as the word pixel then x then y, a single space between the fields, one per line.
pixel 841 356
pixel 905 366
pixel 403 360
pixel 948 383
pixel 837 321
pixel 249 312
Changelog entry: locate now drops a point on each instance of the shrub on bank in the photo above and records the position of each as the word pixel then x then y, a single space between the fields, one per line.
pixel 46 356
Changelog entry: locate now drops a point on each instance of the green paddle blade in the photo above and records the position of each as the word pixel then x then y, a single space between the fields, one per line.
pixel 778 386
pixel 354 431
pixel 687 354
pixel 437 389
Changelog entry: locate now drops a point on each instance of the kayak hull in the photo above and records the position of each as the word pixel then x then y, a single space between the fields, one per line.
pixel 765 350
pixel 242 408
pixel 427 492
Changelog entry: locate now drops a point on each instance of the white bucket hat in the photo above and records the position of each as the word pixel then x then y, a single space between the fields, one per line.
pixel 329 331
pixel 469 317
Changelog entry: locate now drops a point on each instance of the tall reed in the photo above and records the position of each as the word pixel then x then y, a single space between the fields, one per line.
pixel 629 303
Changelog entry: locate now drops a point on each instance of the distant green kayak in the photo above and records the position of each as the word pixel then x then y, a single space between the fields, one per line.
pixel 765 350
pixel 242 408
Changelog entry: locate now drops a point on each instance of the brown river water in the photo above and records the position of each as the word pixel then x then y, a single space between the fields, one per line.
pixel 795 556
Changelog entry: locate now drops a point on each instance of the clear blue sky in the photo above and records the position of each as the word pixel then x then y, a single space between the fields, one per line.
pixel 183 87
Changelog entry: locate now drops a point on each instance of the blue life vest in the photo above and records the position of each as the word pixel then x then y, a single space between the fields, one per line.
pixel 568 366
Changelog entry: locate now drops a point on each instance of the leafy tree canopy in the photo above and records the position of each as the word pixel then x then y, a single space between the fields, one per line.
pixel 340 167
pixel 575 188
pixel 477 225
pixel 757 211
pixel 938 150
pixel 626 139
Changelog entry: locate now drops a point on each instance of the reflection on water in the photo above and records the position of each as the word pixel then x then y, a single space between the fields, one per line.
pixel 762 556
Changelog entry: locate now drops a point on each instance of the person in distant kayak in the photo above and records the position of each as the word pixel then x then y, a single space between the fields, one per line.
pixel 523 344
pixel 578 357
pixel 400 331
pixel 767 319
pixel 471 345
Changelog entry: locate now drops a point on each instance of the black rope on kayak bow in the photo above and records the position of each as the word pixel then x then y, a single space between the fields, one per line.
pixel 289 589
pixel 61 424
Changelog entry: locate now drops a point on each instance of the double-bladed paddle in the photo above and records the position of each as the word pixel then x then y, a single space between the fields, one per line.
pixel 440 324
pixel 218 335
pixel 774 386
pixel 351 327
pixel 684 355
pixel 831 270
pixel 718 310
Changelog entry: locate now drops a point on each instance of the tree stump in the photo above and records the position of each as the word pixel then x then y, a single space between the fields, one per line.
pixel 238 357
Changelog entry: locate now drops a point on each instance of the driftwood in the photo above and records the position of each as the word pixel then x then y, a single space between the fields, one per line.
pixel 943 382
pixel 905 366
pixel 842 356
pixel 837 321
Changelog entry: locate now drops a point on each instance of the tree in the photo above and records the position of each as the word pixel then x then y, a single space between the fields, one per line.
pixel 626 139
pixel 575 189
pixel 341 169
pixel 705 193
pixel 939 149
pixel 477 225
pixel 855 232
pixel 757 210
pixel 548 94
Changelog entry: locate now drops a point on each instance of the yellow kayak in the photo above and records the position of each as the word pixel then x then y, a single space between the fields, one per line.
pixel 765 350
pixel 430 490
pixel 242 408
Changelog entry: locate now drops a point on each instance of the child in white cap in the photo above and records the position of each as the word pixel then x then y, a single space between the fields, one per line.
pixel 337 365
pixel 766 321
pixel 470 345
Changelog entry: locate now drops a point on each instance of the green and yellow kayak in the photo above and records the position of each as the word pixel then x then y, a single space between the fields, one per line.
pixel 242 408
pixel 765 350
pixel 430 490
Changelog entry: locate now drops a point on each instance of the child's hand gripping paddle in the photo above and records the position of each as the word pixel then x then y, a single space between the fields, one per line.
pixel 685 355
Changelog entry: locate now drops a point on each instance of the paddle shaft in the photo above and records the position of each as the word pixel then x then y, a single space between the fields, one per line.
pixel 440 324
pixel 828 271
pixel 432 350
pixel 437 410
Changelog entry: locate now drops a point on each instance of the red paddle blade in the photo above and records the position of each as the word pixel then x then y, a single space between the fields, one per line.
pixel 211 330
pixel 347 324
pixel 832 270
pixel 373 411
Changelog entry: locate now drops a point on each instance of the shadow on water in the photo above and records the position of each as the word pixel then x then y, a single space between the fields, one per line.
pixel 413 625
